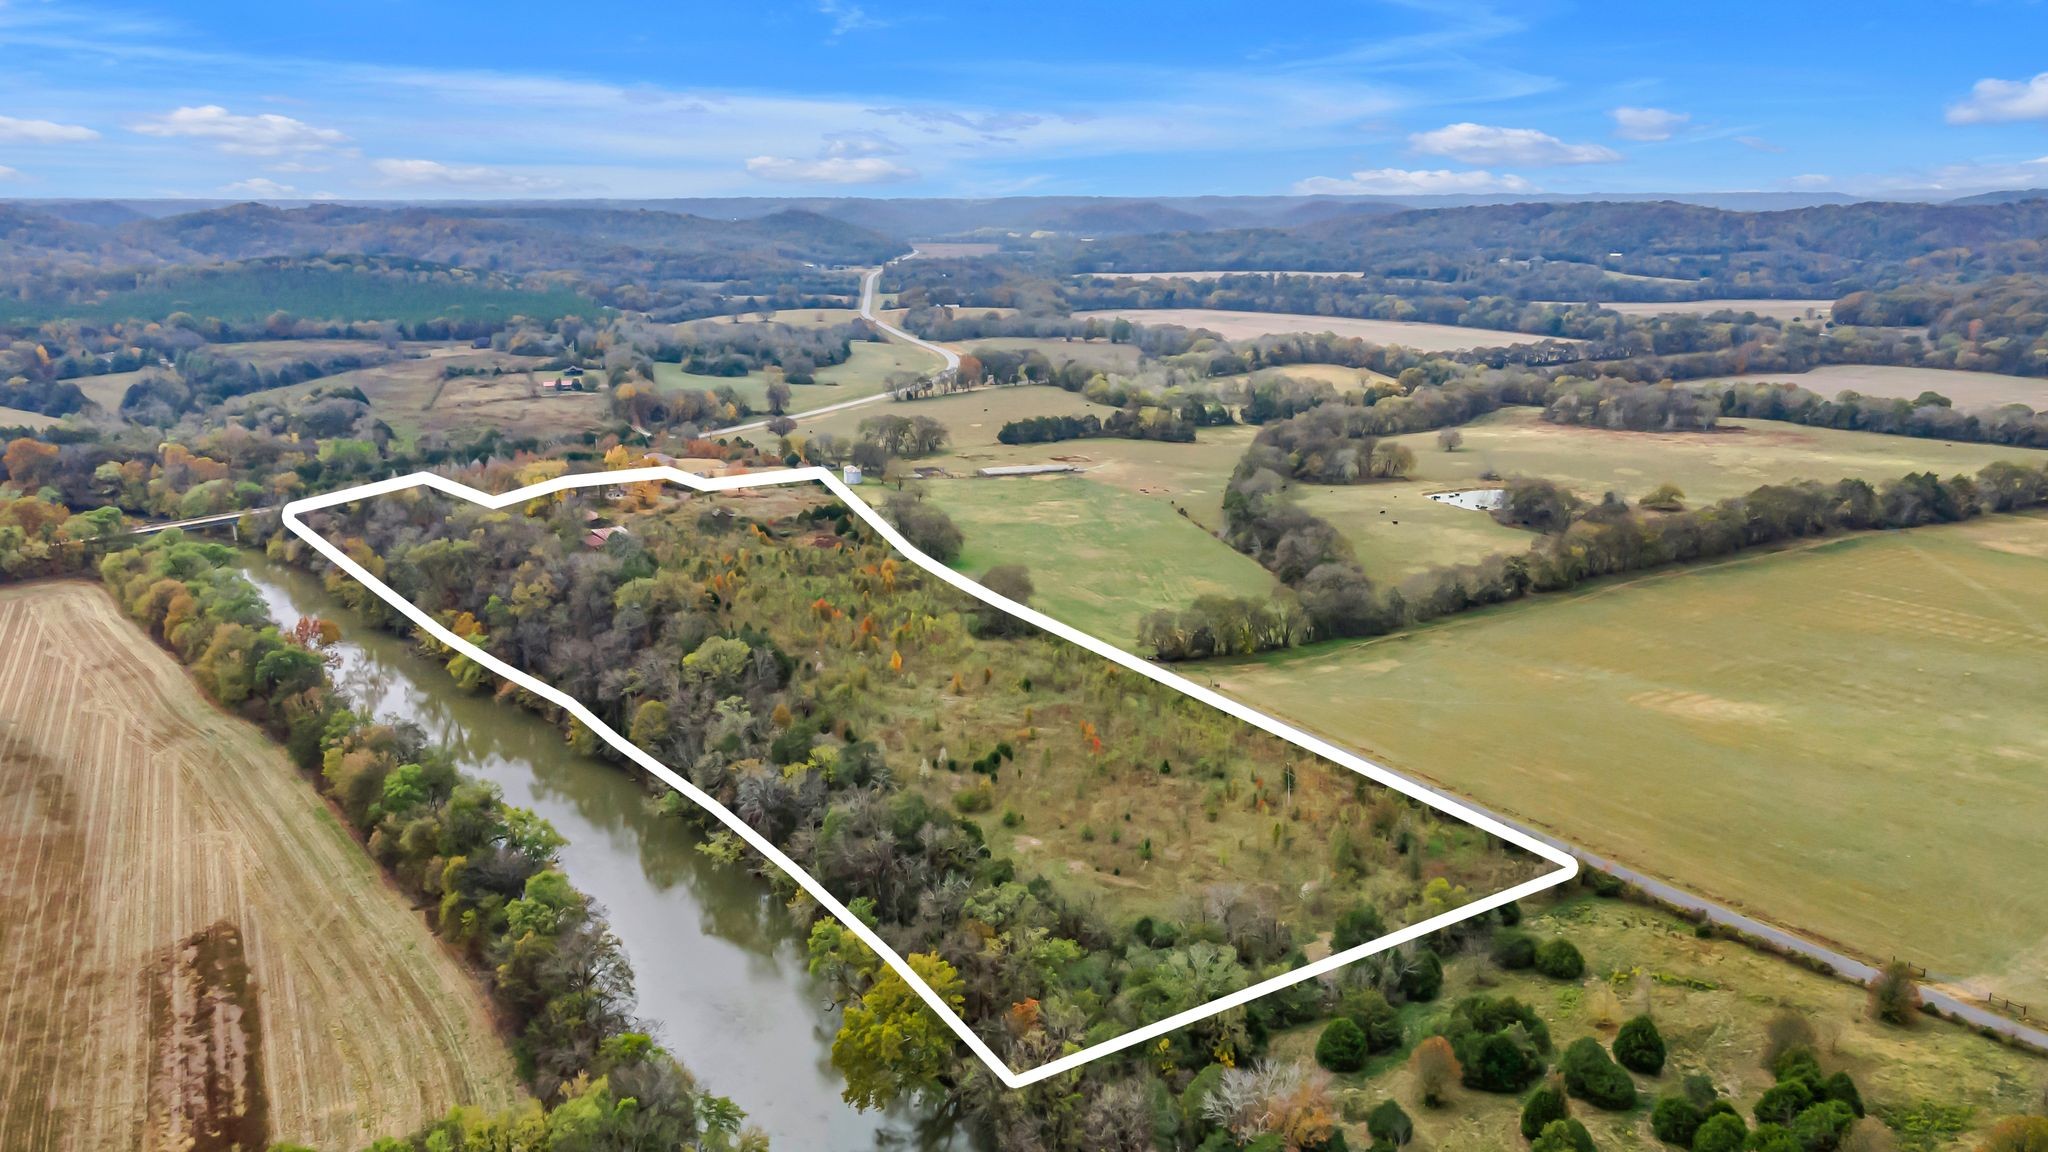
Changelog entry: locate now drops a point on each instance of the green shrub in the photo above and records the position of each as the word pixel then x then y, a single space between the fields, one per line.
pixel 1675 1119
pixel 974 799
pixel 1501 1062
pixel 1389 1125
pixel 1592 1077
pixel 1342 1046
pixel 1510 913
pixel 1378 1019
pixel 1771 1138
pixel 1721 1132
pixel 1782 1101
pixel 1559 959
pixel 1796 1063
pixel 1544 1105
pixel 1423 979
pixel 1639 1048
pixel 1514 950
pixel 1820 1128
pixel 1840 1087
pixel 1565 1135
pixel 1356 926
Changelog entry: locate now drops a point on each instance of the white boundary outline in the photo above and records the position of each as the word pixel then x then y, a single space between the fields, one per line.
pixel 1567 865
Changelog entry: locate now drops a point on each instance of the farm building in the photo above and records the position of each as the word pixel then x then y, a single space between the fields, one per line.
pixel 598 536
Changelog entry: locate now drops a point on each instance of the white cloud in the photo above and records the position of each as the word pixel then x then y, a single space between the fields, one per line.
pixel 1647 123
pixel 260 187
pixel 7 173
pixel 14 131
pixel 1994 101
pixel 433 173
pixel 266 134
pixel 847 17
pixel 1410 182
pixel 830 170
pixel 1757 144
pixel 860 144
pixel 1965 178
pixel 1485 144
pixel 1811 180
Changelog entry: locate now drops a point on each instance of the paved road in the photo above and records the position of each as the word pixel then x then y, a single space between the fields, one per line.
pixel 867 310
pixel 1967 1010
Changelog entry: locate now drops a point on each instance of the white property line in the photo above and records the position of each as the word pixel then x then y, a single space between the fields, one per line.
pixel 1567 865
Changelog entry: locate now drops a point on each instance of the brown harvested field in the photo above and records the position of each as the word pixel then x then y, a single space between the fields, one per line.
pixel 1967 390
pixel 1233 325
pixel 106 391
pixel 1768 309
pixel 411 396
pixel 20 418
pixel 194 951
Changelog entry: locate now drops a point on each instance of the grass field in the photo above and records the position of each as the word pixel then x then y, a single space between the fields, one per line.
pixel 191 938
pixel 1101 557
pixel 414 400
pixel 1968 390
pixel 1712 1005
pixel 1397 531
pixel 865 373
pixel 21 418
pixel 1234 325
pixel 1095 353
pixel 1336 375
pixel 1843 738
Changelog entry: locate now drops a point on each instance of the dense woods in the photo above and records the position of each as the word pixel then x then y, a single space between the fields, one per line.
pixel 685 632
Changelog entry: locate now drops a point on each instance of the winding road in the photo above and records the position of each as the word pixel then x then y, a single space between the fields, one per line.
pixel 868 284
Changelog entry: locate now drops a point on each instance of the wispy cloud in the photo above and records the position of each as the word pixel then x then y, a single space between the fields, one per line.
pixel 13 131
pixel 1486 144
pixel 264 134
pixel 847 17
pixel 1411 182
pixel 399 173
pixel 1994 101
pixel 1648 124
pixel 261 187
pixel 830 170
pixel 1758 144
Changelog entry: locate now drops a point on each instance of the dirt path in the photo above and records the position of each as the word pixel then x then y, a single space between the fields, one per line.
pixel 191 946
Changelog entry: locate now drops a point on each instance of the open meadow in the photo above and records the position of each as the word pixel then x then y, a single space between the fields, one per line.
pixel 192 942
pixel 1100 556
pixel 1967 390
pixel 1843 738
pixel 415 399
pixel 19 418
pixel 1398 531
pixel 1713 1001
pixel 865 373
pixel 1099 354
pixel 1233 325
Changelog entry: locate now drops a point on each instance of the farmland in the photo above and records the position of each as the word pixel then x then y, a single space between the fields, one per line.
pixel 1841 737
pixel 1241 325
pixel 205 945
pixel 865 373
pixel 414 399
pixel 1513 442
pixel 1101 557
pixel 1713 1001
pixel 17 418
pixel 1099 354
pixel 1968 390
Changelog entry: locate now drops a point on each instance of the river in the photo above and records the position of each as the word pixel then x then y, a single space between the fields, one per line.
pixel 718 965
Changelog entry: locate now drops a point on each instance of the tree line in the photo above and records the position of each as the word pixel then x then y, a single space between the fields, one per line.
pixel 1328 597
pixel 488 869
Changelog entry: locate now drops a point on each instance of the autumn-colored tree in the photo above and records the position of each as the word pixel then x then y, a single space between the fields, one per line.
pixel 29 463
pixel 1436 1068
pixel 890 1043
pixel 2018 1134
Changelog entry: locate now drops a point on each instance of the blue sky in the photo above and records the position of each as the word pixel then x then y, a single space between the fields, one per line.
pixel 415 100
